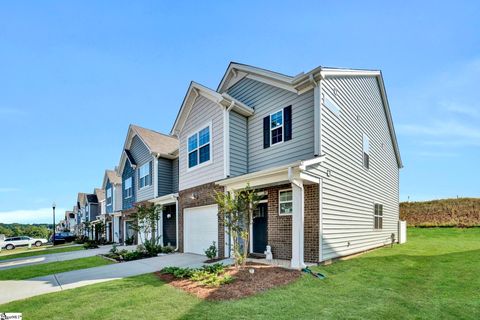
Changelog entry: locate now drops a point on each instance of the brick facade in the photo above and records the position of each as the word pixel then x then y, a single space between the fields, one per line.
pixel 204 196
pixel 280 227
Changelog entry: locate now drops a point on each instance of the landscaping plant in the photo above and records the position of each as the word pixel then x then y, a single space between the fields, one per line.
pixel 208 275
pixel 211 252
pixel 145 225
pixel 236 209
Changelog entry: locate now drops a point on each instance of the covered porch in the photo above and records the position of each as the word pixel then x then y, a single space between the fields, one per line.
pixel 167 229
pixel 288 214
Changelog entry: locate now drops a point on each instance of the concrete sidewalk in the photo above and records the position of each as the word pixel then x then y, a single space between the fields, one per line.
pixel 17 290
pixel 53 257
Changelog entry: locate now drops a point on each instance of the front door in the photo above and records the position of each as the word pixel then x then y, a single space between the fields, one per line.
pixel 169 226
pixel 260 219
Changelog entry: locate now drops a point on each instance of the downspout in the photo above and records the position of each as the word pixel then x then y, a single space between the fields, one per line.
pixel 176 222
pixel 226 139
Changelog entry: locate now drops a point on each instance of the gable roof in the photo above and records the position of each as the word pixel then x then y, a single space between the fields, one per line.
pixel 112 176
pixel 307 81
pixel 100 193
pixel 91 198
pixel 81 199
pixel 159 144
pixel 222 100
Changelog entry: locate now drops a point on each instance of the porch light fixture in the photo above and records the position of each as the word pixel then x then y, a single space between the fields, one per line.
pixel 194 196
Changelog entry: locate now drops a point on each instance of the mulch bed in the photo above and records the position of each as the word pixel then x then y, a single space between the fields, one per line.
pixel 244 285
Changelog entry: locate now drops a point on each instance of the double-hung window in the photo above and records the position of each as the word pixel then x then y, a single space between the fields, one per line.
pixel 378 216
pixel 144 176
pixel 109 196
pixel 128 188
pixel 285 203
pixel 276 127
pixel 199 147
pixel 366 151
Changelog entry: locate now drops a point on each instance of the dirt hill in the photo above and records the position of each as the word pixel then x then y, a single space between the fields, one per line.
pixel 462 212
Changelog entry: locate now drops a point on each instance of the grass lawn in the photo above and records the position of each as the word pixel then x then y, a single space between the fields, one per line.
pixel 39 270
pixel 433 276
pixel 37 252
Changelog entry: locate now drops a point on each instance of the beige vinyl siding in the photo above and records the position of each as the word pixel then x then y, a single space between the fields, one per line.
pixel 350 192
pixel 142 155
pixel 118 197
pixel 267 99
pixel 203 113
pixel 238 144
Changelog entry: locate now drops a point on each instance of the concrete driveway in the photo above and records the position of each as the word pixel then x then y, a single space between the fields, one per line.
pixel 17 290
pixel 53 257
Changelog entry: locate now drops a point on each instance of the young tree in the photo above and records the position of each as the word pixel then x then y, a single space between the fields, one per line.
pixel 236 208
pixel 145 224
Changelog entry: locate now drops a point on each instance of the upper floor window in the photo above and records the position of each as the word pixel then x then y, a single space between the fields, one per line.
pixel 276 127
pixel 366 151
pixel 378 216
pixel 144 176
pixel 109 196
pixel 199 147
pixel 128 188
pixel 285 202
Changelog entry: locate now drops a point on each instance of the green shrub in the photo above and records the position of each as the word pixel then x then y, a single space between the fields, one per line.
pixel 129 240
pixel 208 275
pixel 90 244
pixel 168 249
pixel 211 252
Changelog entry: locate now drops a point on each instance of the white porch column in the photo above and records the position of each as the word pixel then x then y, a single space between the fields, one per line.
pixel 298 217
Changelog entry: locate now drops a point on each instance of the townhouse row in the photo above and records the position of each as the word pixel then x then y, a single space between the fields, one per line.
pixel 320 148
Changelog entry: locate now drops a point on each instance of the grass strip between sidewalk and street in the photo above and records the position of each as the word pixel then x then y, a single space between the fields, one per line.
pixel 45 269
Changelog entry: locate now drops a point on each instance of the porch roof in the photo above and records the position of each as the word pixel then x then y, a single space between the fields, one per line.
pixel 276 175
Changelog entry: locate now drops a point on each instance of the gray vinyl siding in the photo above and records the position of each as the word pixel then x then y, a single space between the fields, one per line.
pixel 267 99
pixel 350 192
pixel 175 175
pixel 165 176
pixel 118 191
pixel 238 144
pixel 142 155
pixel 203 112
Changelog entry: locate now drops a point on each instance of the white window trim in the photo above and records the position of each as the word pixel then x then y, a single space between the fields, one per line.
pixel 140 177
pixel 282 126
pixel 375 216
pixel 280 202
pixel 196 131
pixel 131 187
pixel 107 197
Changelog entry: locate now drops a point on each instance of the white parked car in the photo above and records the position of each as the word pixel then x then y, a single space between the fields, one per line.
pixel 13 242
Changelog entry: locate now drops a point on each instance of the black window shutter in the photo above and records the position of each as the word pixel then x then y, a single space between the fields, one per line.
pixel 150 168
pixel 287 113
pixel 266 132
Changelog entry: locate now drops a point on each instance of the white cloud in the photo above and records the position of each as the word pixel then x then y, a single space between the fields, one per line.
pixel 463 110
pixel 42 215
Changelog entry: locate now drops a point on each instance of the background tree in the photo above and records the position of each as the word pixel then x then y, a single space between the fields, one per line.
pixel 236 209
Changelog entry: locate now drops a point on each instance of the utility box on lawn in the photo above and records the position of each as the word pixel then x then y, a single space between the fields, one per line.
pixel 402 231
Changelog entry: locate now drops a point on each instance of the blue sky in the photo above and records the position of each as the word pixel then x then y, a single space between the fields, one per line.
pixel 74 74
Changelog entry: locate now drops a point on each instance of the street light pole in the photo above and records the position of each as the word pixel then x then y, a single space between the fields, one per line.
pixel 53 234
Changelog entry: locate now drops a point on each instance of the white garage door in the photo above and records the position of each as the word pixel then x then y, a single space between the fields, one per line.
pixel 200 228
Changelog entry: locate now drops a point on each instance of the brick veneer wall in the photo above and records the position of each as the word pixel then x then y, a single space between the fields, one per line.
pixel 311 223
pixel 205 197
pixel 280 227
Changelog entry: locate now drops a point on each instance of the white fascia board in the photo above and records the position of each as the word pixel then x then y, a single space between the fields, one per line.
pixel 238 106
pixel 250 70
pixel 166 199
